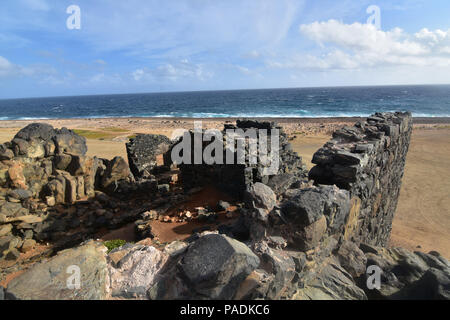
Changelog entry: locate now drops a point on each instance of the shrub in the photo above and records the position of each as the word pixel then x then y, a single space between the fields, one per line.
pixel 112 244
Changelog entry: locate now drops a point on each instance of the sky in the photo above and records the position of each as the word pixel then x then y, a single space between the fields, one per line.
pixel 186 45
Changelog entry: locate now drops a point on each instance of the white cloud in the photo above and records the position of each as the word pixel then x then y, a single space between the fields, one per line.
pixel 10 70
pixel 174 29
pixel 102 78
pixel 6 67
pixel 138 74
pixel 355 46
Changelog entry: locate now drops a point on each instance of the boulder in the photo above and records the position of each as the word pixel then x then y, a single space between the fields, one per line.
pixel 306 207
pixel 215 265
pixel 56 189
pixel 433 285
pixel 337 208
pixel 331 282
pixel 402 271
pixel 12 255
pixel 261 196
pixel 16 176
pixel 41 139
pixel 28 245
pixel 33 148
pixel 255 286
pixel 145 152
pixel 53 279
pixel 8 243
pixel 175 248
pixel 280 183
pixel 5 153
pixel 308 237
pixel 68 142
pixel 62 161
pixel 41 131
pixel 116 169
pixel 134 269
pixel 352 259
pixel 5 229
pixel 282 267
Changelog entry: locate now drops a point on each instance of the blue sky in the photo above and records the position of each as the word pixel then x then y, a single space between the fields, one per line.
pixel 149 46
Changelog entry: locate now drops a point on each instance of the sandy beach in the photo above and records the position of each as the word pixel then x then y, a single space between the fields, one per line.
pixel 422 220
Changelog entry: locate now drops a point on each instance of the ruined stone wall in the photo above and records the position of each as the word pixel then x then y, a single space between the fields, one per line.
pixel 368 160
pixel 238 177
pixel 365 162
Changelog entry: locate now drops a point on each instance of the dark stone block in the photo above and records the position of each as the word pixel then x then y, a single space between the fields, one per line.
pixel 142 152
pixel 215 265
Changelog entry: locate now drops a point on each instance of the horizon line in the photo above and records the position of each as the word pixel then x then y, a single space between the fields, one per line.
pixel 224 90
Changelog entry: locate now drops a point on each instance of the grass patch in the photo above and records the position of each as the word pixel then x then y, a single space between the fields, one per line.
pixel 113 244
pixel 91 134
pixel 115 129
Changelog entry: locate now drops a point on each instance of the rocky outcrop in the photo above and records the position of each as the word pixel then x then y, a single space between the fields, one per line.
pixel 331 282
pixel 38 140
pixel 48 189
pixel 409 275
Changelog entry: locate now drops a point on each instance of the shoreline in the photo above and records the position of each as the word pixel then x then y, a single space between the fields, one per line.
pixel 417 120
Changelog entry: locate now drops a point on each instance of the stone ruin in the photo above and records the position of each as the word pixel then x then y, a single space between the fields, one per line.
pixel 51 191
pixel 236 178
pixel 299 235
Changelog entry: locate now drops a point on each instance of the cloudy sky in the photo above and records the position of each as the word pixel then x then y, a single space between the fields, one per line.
pixel 178 45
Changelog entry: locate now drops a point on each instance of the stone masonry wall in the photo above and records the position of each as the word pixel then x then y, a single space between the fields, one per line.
pixel 368 160
pixel 237 178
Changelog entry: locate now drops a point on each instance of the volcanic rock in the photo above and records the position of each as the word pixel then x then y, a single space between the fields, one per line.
pixel 48 280
pixel 215 265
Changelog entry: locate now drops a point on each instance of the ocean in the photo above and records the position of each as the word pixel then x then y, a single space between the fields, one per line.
pixel 422 101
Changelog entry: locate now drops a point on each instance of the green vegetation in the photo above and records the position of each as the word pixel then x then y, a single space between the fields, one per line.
pixel 102 134
pixel 112 244
pixel 115 129
pixel 91 134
